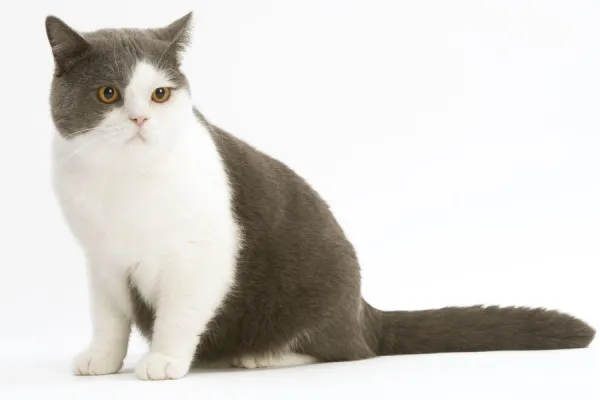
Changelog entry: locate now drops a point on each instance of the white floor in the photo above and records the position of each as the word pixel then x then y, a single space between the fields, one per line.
pixel 43 372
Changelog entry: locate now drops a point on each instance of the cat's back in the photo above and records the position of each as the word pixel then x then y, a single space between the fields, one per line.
pixel 296 261
pixel 265 189
pixel 288 227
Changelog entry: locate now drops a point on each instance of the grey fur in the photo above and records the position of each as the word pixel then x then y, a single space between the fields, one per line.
pixel 297 279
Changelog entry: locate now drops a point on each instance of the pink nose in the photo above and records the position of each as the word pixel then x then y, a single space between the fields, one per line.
pixel 138 120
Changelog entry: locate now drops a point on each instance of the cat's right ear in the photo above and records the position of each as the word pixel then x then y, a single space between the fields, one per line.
pixel 67 45
pixel 178 34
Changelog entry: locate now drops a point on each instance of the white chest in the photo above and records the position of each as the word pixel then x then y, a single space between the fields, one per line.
pixel 143 221
pixel 128 216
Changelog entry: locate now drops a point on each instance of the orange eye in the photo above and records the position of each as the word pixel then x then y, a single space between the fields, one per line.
pixel 161 94
pixel 108 94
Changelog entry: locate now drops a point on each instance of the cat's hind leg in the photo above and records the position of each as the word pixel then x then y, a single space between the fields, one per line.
pixel 273 360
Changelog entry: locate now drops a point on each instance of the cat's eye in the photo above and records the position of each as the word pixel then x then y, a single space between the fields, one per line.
pixel 161 94
pixel 108 94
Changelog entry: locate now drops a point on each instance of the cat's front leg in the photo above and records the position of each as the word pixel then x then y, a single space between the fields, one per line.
pixel 189 293
pixel 111 323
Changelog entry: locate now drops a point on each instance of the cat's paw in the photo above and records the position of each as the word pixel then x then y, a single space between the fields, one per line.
pixel 95 362
pixel 158 367
pixel 272 360
pixel 254 361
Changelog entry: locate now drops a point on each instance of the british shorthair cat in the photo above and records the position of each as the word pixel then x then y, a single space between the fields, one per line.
pixel 212 249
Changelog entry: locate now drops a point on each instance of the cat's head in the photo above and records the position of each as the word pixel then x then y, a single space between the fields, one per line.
pixel 119 93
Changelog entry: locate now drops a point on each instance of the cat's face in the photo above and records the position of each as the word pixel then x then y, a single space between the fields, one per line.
pixel 119 94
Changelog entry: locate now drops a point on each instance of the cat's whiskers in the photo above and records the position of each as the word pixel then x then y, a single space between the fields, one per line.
pixel 92 141
pixel 163 54
pixel 115 57
pixel 85 130
pixel 64 160
pixel 170 72
pixel 70 135
pixel 110 67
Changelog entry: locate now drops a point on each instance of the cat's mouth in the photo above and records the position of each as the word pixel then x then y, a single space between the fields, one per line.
pixel 138 137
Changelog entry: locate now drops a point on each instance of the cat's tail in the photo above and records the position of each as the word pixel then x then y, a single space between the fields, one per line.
pixel 478 328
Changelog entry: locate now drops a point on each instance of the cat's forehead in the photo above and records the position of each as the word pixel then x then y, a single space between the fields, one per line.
pixel 126 43
pixel 117 52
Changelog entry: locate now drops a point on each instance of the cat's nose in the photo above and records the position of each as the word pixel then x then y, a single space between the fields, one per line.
pixel 139 121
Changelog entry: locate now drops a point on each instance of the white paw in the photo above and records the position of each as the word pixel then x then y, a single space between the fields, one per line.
pixel 254 361
pixel 158 367
pixel 96 362
pixel 272 360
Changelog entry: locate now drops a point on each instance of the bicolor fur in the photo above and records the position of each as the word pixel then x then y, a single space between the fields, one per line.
pixel 214 249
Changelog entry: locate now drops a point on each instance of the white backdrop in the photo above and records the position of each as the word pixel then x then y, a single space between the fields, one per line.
pixel 457 142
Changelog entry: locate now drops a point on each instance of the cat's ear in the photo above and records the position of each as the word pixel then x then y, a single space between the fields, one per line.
pixel 178 33
pixel 67 45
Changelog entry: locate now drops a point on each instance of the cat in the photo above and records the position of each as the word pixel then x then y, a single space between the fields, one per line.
pixel 211 248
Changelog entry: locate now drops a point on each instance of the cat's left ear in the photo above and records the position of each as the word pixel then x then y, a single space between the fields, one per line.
pixel 67 45
pixel 178 33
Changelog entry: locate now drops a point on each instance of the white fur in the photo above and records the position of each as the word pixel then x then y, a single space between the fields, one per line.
pixel 156 209
pixel 270 360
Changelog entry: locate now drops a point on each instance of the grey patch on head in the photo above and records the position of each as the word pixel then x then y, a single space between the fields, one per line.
pixel 85 62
